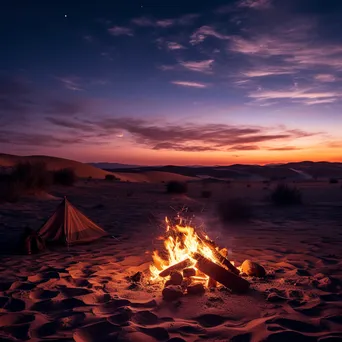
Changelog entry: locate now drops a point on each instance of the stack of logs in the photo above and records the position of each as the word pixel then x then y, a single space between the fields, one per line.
pixel 183 278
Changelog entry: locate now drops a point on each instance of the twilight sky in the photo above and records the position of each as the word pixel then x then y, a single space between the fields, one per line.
pixel 172 82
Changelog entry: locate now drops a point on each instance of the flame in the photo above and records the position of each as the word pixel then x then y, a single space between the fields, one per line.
pixel 180 243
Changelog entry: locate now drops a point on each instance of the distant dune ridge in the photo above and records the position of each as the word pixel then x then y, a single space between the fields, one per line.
pixel 83 170
pixel 305 170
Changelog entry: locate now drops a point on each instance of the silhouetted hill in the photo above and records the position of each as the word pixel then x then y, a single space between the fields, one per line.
pixel 291 171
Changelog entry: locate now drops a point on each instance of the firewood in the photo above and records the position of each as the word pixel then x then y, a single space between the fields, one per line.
pixel 220 257
pixel 221 275
pixel 212 283
pixel 177 267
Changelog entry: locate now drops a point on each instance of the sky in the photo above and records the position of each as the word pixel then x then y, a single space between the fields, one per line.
pixel 172 82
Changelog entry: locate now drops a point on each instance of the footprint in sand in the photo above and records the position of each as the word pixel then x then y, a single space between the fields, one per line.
pixel 286 336
pixel 40 294
pixel 145 318
pixel 14 305
pixel 158 333
pixel 74 292
pixel 122 316
pixel 210 320
pixel 110 307
pixel 10 319
pixel 296 325
pixel 97 332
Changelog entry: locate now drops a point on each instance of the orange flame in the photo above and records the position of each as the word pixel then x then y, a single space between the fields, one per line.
pixel 181 243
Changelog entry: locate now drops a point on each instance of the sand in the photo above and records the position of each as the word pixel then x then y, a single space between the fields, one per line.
pixel 82 293
pixel 83 170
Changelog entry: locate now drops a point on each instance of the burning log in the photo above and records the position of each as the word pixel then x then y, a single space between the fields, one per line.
pixel 220 257
pixel 212 283
pixel 177 267
pixel 221 275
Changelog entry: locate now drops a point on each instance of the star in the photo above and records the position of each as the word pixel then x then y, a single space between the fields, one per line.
pixel 65 15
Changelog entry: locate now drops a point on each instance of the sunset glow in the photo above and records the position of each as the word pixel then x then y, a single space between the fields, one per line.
pixel 240 81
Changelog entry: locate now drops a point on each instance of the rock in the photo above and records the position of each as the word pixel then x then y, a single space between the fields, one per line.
pixel 176 278
pixel 185 283
pixel 168 283
pixel 189 272
pixel 196 289
pixel 253 269
pixel 172 292
pixel 137 277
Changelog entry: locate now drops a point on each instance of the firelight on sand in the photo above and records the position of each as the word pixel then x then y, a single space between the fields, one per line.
pixel 181 243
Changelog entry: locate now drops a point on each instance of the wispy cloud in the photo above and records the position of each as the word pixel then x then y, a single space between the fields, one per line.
pixel 284 148
pixel 174 46
pixel 204 32
pixel 121 31
pixel 263 71
pixel 184 20
pixel 306 96
pixel 325 78
pixel 190 84
pixel 188 136
pixel 88 38
pixel 255 4
pixel 199 66
pixel 71 83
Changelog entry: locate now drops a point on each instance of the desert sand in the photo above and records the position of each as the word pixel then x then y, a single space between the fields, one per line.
pixel 82 293
pixel 83 170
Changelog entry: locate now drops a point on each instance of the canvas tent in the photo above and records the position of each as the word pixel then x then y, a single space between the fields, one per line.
pixel 69 226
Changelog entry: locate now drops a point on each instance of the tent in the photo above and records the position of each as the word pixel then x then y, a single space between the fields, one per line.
pixel 69 226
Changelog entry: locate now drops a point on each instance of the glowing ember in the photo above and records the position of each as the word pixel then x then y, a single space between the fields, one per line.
pixel 182 242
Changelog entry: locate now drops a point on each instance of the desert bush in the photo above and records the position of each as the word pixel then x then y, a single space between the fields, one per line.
pixel 25 178
pixel 234 210
pixel 111 178
pixel 206 193
pixel 65 177
pixel 333 181
pixel 284 195
pixel 32 177
pixel 175 187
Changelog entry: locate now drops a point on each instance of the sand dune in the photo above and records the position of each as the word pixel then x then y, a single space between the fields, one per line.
pixel 85 170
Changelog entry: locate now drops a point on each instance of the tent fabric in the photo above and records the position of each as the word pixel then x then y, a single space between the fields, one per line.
pixel 69 226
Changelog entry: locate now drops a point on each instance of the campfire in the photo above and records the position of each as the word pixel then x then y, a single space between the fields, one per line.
pixel 193 262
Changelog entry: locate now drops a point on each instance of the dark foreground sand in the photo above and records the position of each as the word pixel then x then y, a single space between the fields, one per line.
pixel 82 293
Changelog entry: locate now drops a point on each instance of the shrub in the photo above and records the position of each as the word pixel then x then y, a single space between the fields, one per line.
pixel 32 177
pixel 65 177
pixel 206 193
pixel 284 195
pixel 111 178
pixel 175 187
pixel 234 210
pixel 25 178
pixel 333 181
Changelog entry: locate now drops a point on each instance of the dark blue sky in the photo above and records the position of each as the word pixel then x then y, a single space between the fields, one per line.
pixel 215 82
